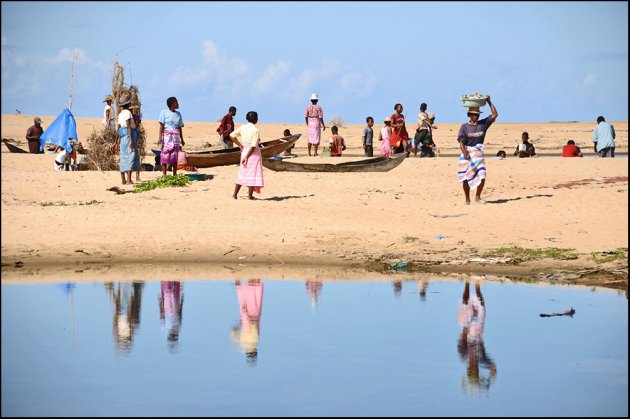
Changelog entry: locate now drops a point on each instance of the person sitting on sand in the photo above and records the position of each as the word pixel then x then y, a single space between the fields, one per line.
pixel 525 148
pixel 61 159
pixel 288 153
pixel 337 143
pixel 571 150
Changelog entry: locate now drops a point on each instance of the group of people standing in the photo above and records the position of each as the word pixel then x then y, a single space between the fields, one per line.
pixel 394 138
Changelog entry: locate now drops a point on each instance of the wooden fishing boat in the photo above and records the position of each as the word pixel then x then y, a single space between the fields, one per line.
pixel 375 164
pixel 201 159
pixel 13 148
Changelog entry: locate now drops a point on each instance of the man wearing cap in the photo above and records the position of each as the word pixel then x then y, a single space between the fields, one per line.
pixel 471 166
pixel 604 138
pixel 109 119
pixel 33 134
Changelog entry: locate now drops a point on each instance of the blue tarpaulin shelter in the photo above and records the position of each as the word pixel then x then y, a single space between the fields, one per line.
pixel 62 129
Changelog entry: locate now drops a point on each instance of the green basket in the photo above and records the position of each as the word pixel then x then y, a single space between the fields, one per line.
pixel 470 103
pixel 196 176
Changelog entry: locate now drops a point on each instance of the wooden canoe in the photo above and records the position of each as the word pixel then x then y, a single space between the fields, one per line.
pixel 13 148
pixel 201 159
pixel 375 164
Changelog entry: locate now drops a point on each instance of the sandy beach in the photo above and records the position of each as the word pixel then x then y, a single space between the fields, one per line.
pixel 351 221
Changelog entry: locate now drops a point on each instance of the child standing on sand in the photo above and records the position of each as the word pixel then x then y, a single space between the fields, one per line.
pixel 337 143
pixel 385 137
pixel 368 135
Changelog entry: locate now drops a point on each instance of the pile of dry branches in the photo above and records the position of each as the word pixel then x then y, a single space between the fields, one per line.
pixel 100 155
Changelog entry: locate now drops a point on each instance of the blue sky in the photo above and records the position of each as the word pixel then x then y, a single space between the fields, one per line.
pixel 540 61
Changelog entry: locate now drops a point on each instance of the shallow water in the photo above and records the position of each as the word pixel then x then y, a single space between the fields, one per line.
pixel 306 348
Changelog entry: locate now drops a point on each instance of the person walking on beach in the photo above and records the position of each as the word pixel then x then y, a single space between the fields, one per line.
pixel 385 137
pixel 427 146
pixel 400 137
pixel 337 143
pixel 227 127
pixel 171 135
pixel 471 166
pixel 109 119
pixel 525 148
pixel 250 172
pixel 314 117
pixel 368 137
pixel 423 129
pixel 604 138
pixel 127 137
pixel 32 135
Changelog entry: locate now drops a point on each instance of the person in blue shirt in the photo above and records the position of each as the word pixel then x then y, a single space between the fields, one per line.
pixel 604 138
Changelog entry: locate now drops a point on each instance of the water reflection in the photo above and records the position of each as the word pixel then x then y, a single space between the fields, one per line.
pixel 397 288
pixel 422 289
pixel 171 304
pixel 247 332
pixel 313 289
pixel 481 369
pixel 127 299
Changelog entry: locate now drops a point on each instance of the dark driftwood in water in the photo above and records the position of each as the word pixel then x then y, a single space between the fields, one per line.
pixel 376 164
pixel 233 155
pixel 570 312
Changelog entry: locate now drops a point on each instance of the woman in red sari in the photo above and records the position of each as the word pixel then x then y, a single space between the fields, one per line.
pixel 400 137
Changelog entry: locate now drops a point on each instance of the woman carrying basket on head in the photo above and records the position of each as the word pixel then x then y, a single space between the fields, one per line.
pixel 471 167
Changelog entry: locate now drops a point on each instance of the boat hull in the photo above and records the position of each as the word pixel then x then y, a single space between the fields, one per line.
pixel 376 164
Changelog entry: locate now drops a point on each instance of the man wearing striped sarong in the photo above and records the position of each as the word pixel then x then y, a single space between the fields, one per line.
pixel 471 166
pixel 250 171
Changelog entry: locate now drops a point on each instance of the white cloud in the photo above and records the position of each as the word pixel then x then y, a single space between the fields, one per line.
pixel 4 40
pixel 215 66
pixel 272 75
pixel 67 55
pixel 589 80
pixel 309 81
pixel 357 84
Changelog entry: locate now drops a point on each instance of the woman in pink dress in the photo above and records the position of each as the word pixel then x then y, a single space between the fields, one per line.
pixel 250 171
pixel 385 138
pixel 314 116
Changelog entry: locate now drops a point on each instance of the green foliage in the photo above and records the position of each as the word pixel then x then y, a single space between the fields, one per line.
pixel 618 254
pixel 409 239
pixel 162 182
pixel 524 254
pixel 65 204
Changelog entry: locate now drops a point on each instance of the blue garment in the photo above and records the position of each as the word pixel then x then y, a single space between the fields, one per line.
pixel 171 119
pixel 62 129
pixel 129 160
pixel 603 135
pixel 471 135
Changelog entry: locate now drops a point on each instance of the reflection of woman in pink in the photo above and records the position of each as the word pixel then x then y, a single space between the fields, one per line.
pixel 250 304
pixel 171 302
pixel 313 288
pixel 471 317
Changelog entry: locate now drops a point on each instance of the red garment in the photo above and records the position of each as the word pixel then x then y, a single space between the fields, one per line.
pixel 570 150
pixel 227 126
pixel 337 145
pixel 399 133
